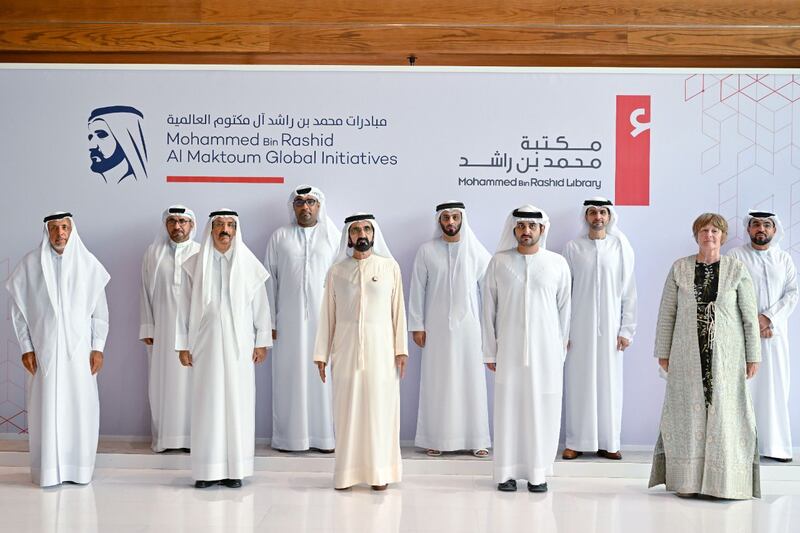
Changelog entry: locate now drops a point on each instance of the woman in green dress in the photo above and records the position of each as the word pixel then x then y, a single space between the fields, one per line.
pixel 707 342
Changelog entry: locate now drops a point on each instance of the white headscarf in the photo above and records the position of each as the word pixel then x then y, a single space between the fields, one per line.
pixel 613 219
pixel 470 253
pixel 525 213
pixel 612 228
pixel 125 124
pixel 378 248
pixel 247 275
pixel 327 229
pixel 757 213
pixel 162 245
pixel 82 280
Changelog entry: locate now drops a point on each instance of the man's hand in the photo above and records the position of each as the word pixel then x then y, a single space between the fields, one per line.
pixel 765 326
pixel 259 354
pixel 185 357
pixel 751 370
pixel 95 361
pixel 419 338
pixel 274 334
pixel 622 343
pixel 148 341
pixel 492 366
pixel 400 362
pixel 321 367
pixel 29 362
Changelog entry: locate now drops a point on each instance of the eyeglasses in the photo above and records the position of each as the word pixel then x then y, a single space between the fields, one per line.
pixel 178 221
pixel 300 202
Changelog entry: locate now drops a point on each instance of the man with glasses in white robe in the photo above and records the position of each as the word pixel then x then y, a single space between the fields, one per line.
pixel 298 258
pixel 169 384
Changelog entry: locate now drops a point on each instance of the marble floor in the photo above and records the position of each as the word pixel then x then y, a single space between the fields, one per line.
pixel 130 500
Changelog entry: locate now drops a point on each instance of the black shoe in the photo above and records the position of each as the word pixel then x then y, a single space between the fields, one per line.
pixel 507 486
pixel 542 487
pixel 780 459
pixel 323 450
pixel 232 483
pixel 204 483
pixel 185 450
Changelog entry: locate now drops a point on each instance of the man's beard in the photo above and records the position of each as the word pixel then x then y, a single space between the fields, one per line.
pixel 362 244
pixel 178 236
pixel 534 241
pixel 597 226
pixel 450 233
pixel 305 218
pixel 761 239
pixel 104 164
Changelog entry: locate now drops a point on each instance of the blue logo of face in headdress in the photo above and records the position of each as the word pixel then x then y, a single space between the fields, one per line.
pixel 116 143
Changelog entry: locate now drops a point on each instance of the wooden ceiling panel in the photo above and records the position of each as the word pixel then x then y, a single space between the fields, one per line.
pixel 501 32
pixel 101 10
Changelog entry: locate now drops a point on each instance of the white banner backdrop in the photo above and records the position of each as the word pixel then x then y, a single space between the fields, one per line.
pixel 666 145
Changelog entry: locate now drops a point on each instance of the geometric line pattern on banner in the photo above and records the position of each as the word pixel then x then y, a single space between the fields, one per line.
pixel 764 107
pixel 794 218
pixel 13 416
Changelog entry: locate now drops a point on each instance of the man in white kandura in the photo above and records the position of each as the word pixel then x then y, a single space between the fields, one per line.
pixel 169 385
pixel 362 333
pixel 60 317
pixel 444 318
pixel 526 310
pixel 298 258
pixel 602 326
pixel 223 331
pixel 775 282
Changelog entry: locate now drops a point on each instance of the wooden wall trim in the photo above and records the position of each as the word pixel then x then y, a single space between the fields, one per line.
pixel 463 32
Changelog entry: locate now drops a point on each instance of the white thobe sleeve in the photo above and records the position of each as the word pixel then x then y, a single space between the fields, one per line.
pixel 567 254
pixel 100 322
pixel 416 297
pixel 326 326
pixel 748 308
pixel 147 324
pixel 399 315
pixel 564 302
pixel 667 313
pixel 483 262
pixel 271 262
pixel 489 305
pixel 21 328
pixel 184 308
pixel 778 313
pixel 262 325
pixel 627 325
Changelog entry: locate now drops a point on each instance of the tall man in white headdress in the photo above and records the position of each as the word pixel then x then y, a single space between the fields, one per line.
pixel 602 326
pixel 526 311
pixel 170 385
pixel 362 334
pixel 223 331
pixel 444 318
pixel 60 317
pixel 775 281
pixel 298 258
